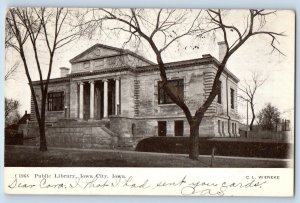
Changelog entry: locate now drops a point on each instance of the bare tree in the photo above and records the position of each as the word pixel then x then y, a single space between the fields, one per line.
pixel 164 27
pixel 249 90
pixel 39 29
pixel 11 70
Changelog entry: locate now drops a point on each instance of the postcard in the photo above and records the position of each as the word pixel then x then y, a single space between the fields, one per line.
pixel 183 102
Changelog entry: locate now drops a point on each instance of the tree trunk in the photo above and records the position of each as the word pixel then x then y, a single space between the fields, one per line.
pixel 43 142
pixel 253 117
pixel 194 141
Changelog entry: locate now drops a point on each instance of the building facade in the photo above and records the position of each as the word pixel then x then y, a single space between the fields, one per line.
pixel 112 96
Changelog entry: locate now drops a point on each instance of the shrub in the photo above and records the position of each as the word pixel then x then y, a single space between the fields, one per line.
pixel 12 137
pixel 228 147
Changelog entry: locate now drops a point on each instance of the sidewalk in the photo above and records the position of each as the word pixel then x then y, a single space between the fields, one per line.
pixel 29 156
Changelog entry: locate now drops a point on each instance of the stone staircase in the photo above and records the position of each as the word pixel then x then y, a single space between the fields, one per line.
pixel 72 133
pixel 84 134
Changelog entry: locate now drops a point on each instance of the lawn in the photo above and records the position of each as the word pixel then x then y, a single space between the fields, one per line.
pixel 26 156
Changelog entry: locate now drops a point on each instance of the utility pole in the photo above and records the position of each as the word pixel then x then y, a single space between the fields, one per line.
pixel 247 116
pixel 247 120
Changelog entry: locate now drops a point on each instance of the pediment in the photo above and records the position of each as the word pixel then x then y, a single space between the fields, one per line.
pixel 95 52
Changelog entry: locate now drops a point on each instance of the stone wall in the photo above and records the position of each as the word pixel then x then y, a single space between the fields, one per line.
pixel 132 130
pixel 53 115
pixel 75 134
pixel 74 97
pixel 227 130
pixel 125 130
pixel 148 91
pixel 127 95
pixel 78 137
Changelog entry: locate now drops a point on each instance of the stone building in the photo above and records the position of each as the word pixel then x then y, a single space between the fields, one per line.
pixel 111 98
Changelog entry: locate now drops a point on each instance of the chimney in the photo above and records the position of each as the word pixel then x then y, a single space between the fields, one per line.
pixel 25 112
pixel 222 50
pixel 64 71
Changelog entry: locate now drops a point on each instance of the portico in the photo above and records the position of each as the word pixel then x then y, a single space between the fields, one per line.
pixel 98 99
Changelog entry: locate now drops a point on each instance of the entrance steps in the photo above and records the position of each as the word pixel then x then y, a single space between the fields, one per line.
pixel 80 123
pixel 85 134
pixel 73 133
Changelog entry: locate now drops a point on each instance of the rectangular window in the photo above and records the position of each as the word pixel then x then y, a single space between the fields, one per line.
pixel 162 128
pixel 177 87
pixel 219 127
pixel 56 101
pixel 223 129
pixel 178 128
pixel 232 97
pixel 235 129
pixel 220 92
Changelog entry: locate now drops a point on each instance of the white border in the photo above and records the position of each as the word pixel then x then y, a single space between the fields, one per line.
pixel 288 4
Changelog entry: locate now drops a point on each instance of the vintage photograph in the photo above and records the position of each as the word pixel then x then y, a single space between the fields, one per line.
pixel 171 88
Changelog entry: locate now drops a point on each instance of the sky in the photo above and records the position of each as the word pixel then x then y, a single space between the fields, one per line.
pixel 255 55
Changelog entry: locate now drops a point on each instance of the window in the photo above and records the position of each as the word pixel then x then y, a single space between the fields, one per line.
pixel 178 128
pixel 162 128
pixel 177 89
pixel 220 93
pixel 56 101
pixel 235 129
pixel 232 97
pixel 219 127
pixel 223 129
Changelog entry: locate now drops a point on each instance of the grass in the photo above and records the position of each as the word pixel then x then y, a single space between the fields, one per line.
pixel 25 156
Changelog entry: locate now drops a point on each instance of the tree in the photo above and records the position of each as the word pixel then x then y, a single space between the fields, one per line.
pixel 268 117
pixel 37 29
pixel 11 70
pixel 161 28
pixel 12 115
pixel 249 90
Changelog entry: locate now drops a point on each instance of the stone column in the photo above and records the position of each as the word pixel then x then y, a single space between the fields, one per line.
pixel 105 108
pixel 81 100
pixel 92 96
pixel 117 102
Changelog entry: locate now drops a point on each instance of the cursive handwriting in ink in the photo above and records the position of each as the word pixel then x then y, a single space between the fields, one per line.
pixel 184 185
pixel 129 182
pixel 172 183
pixel 45 184
pixel 16 184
